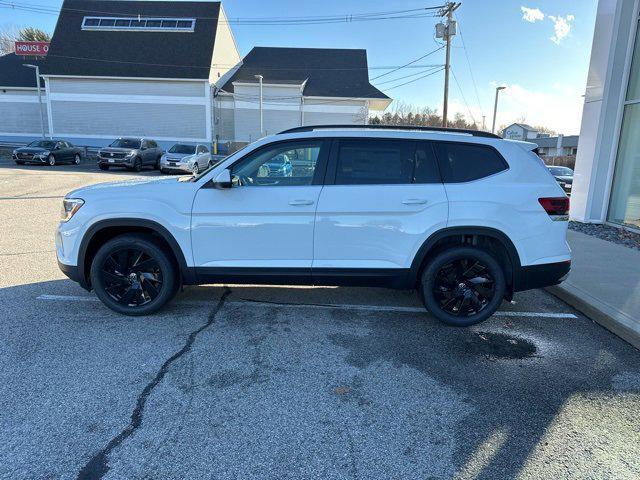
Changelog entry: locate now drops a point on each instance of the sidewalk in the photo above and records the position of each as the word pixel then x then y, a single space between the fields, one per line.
pixel 604 284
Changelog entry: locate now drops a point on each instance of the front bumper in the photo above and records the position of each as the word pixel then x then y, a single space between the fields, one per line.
pixel 176 166
pixel 543 275
pixel 115 162
pixel 34 159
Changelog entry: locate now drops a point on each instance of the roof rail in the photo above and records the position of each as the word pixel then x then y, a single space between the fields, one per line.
pixel 311 128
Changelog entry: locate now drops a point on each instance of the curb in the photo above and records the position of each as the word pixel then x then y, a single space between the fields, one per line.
pixel 617 322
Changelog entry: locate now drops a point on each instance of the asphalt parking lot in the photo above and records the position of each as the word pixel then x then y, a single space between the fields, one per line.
pixel 287 382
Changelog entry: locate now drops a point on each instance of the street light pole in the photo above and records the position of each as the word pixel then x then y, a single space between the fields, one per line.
pixel 37 69
pixel 259 77
pixel 495 109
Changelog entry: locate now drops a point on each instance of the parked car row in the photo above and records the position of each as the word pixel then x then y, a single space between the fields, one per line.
pixel 132 153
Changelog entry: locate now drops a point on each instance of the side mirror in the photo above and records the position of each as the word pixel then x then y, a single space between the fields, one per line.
pixel 223 180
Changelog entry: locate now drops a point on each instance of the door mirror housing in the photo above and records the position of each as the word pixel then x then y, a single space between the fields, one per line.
pixel 223 180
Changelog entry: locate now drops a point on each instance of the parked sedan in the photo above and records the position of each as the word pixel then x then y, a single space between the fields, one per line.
pixel 187 158
pixel 564 176
pixel 48 152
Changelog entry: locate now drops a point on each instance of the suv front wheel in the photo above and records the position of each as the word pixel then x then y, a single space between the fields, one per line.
pixel 462 286
pixel 133 275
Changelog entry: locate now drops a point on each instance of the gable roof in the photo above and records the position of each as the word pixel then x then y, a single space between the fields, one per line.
pixel 567 141
pixel 523 126
pixel 154 54
pixel 14 74
pixel 328 72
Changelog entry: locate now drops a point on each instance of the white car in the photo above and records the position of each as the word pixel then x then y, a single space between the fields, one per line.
pixel 185 158
pixel 464 217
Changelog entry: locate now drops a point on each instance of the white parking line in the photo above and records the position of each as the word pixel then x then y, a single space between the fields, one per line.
pixel 375 308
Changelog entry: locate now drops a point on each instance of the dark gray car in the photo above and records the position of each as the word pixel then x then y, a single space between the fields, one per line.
pixel 48 152
pixel 130 153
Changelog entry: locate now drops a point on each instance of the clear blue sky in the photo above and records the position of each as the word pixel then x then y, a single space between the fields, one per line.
pixel 543 59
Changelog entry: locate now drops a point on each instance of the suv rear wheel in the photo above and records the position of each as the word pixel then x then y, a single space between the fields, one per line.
pixel 463 286
pixel 133 275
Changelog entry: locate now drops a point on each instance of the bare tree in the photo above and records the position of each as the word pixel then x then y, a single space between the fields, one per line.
pixel 402 113
pixel 10 35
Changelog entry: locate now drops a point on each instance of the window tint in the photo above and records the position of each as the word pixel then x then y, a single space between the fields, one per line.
pixel 374 162
pixel 282 164
pixel 460 162
pixel 426 169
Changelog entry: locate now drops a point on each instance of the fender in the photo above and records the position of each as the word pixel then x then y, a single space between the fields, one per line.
pixel 187 273
pixel 426 247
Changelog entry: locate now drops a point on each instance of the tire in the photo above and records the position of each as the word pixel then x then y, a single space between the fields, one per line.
pixel 127 290
pixel 137 164
pixel 51 160
pixel 19 162
pixel 103 167
pixel 196 168
pixel 156 166
pixel 76 159
pixel 164 171
pixel 464 277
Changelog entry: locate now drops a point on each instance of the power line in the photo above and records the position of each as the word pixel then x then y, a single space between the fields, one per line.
pixel 414 80
pixel 407 64
pixel 473 80
pixel 410 75
pixel 304 20
pixel 463 97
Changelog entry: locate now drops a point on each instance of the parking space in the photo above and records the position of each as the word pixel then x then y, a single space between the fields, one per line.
pixel 292 382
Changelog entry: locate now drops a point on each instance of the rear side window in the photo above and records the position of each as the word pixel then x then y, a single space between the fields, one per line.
pixel 374 162
pixel 465 162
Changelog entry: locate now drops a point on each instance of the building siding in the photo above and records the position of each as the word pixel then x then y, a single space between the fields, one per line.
pixel 19 113
pixel 100 86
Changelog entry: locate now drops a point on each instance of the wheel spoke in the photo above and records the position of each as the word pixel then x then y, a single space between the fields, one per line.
pixel 123 261
pixel 113 278
pixel 145 265
pixel 129 295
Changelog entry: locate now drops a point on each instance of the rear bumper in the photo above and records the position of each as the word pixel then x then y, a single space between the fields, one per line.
pixel 544 275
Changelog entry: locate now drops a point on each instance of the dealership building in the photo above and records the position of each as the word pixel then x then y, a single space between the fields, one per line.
pixel 606 186
pixel 172 71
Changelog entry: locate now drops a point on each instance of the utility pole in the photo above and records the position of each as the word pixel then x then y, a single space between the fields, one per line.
pixel 495 109
pixel 37 69
pixel 260 77
pixel 484 125
pixel 447 31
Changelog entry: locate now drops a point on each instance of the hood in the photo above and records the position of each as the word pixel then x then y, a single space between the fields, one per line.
pixel 177 156
pixel 32 150
pixel 122 187
pixel 116 149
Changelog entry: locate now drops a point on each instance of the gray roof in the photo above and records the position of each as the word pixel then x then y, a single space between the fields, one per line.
pixel 14 74
pixel 329 72
pixel 157 54
pixel 567 141
pixel 524 126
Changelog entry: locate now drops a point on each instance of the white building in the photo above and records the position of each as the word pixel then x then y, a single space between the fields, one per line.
pixel 606 186
pixel 560 146
pixel 519 131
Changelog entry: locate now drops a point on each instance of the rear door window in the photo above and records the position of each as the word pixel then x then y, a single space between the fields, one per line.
pixel 465 162
pixel 370 161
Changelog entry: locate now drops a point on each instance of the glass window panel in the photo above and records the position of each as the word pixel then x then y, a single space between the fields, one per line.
pixel 107 22
pixel 122 23
pixel 633 92
pixel 374 162
pixel 624 206
pixel 154 23
pixel 169 23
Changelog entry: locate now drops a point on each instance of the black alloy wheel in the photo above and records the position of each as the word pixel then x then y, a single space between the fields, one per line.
pixel 463 286
pixel 76 159
pixel 51 160
pixel 137 164
pixel 134 275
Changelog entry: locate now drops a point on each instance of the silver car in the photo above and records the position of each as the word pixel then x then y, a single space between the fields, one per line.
pixel 185 158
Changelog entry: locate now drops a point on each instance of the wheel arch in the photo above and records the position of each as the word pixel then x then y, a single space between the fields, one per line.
pixel 469 235
pixel 104 230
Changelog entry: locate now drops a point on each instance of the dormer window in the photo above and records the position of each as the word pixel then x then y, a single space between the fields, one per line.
pixel 139 24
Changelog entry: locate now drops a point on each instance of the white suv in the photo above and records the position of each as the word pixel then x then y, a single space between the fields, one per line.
pixel 465 217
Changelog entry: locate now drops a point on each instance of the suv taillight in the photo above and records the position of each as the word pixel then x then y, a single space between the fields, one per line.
pixel 556 207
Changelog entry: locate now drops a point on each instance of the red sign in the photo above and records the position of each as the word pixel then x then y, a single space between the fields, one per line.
pixel 38 49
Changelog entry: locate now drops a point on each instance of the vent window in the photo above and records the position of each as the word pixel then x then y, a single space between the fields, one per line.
pixel 138 24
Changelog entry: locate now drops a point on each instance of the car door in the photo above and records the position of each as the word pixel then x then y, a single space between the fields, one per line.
pixel 61 152
pixel 264 223
pixel 148 152
pixel 381 200
pixel 203 157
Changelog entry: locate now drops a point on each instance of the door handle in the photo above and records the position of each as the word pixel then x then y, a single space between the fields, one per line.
pixel 414 201
pixel 299 203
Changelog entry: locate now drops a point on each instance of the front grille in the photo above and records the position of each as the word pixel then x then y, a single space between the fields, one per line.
pixel 25 156
pixel 112 155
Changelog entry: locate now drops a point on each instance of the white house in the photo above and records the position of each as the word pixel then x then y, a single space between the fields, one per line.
pixel 519 131
pixel 560 146
pixel 300 86
pixel 606 186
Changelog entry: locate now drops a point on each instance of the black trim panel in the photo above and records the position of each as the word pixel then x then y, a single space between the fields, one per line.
pixel 352 277
pixel 545 275
pixel 73 273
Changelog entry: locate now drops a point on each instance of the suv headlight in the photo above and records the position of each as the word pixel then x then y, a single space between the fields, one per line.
pixel 69 208
pixel 131 154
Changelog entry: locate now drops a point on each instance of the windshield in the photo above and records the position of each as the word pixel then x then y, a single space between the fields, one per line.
pixel 126 143
pixel 43 144
pixel 180 148
pixel 561 171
